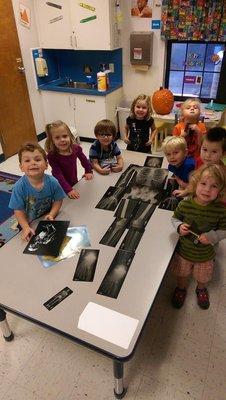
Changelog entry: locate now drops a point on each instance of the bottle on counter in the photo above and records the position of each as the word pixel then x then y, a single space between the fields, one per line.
pixel 101 81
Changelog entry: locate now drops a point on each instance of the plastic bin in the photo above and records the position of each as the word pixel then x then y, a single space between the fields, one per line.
pixel 123 110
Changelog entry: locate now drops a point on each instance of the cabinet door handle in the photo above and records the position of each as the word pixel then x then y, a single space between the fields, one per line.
pixel 75 40
pixel 71 41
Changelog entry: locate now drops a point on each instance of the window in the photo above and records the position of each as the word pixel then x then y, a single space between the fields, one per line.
pixel 194 69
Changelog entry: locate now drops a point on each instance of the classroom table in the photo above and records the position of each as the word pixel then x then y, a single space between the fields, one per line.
pixel 25 284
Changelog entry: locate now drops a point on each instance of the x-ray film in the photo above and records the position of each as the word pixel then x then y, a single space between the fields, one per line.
pixel 111 198
pixel 153 161
pixel 48 238
pixel 86 265
pixel 115 276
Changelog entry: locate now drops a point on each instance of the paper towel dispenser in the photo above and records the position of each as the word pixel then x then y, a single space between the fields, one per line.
pixel 141 45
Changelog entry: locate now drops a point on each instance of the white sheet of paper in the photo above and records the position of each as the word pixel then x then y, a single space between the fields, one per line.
pixel 108 324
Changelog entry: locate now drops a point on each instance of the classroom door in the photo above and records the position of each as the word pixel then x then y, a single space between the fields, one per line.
pixel 16 119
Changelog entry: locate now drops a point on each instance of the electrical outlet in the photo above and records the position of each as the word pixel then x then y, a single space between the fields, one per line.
pixel 112 67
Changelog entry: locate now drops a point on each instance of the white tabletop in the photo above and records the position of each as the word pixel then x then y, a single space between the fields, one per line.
pixel 25 285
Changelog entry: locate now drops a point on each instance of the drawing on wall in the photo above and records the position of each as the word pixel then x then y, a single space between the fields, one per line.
pixel 86 265
pixel 25 15
pixel 50 4
pixel 48 238
pixel 141 8
pixel 116 274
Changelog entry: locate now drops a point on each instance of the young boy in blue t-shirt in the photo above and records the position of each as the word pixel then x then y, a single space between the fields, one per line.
pixel 175 150
pixel 35 193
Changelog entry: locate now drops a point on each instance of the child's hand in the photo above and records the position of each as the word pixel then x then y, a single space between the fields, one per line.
pixel 116 168
pixel 126 140
pixel 27 233
pixel 204 239
pixel 73 194
pixel 179 193
pixel 184 229
pixel 88 176
pixel 49 217
pixel 194 127
pixel 149 143
pixel 105 170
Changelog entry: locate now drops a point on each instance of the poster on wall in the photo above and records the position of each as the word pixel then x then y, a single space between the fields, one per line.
pixel 141 8
pixel 25 15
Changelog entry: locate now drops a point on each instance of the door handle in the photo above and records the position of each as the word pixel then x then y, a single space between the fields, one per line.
pixel 21 69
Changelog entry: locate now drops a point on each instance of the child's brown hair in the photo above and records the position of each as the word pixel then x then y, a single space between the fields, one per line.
pixel 215 171
pixel 216 134
pixel 142 97
pixel 49 145
pixel 105 126
pixel 31 146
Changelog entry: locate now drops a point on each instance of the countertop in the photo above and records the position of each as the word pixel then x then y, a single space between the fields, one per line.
pixel 54 86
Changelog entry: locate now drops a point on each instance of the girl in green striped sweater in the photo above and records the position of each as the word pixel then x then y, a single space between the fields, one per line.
pixel 200 221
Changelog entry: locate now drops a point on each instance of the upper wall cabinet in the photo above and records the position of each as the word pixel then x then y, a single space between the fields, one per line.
pixel 70 24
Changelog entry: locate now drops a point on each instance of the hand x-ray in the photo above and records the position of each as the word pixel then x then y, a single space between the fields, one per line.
pixel 111 198
pixel 86 266
pixel 114 278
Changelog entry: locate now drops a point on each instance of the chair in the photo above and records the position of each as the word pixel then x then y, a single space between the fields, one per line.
pixel 162 132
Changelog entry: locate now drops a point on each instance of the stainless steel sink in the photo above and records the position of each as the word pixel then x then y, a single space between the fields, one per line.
pixel 78 85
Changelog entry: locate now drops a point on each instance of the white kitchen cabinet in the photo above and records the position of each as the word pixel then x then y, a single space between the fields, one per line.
pixel 58 106
pixel 54 24
pixel 95 29
pixel 80 111
pixel 65 24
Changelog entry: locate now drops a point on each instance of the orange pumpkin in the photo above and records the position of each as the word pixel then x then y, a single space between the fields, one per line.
pixel 162 101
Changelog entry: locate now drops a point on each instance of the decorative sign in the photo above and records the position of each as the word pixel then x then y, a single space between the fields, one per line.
pixel 25 15
pixel 155 24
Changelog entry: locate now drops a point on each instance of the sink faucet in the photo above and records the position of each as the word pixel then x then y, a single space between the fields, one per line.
pixel 68 80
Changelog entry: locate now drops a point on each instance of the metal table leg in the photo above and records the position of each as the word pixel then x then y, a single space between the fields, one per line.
pixel 119 390
pixel 7 333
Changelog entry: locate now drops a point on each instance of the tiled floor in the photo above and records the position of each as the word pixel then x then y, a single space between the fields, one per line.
pixel 181 354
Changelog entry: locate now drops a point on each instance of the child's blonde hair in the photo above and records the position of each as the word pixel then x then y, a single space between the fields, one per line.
pixel 215 171
pixel 187 102
pixel 142 97
pixel 49 145
pixel 31 146
pixel 173 142
pixel 105 126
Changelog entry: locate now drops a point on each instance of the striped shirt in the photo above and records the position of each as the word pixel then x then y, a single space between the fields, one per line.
pixel 209 219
